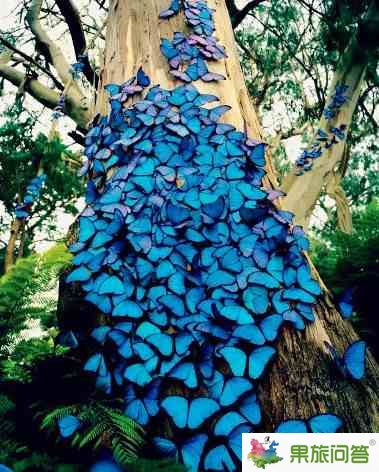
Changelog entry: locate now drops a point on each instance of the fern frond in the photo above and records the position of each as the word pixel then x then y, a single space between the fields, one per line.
pixel 50 420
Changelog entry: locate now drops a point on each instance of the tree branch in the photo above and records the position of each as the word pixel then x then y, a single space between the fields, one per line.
pixel 312 9
pixel 10 46
pixel 236 15
pixel 75 26
pixel 37 90
pixel 50 50
pixel 304 191
pixel 45 95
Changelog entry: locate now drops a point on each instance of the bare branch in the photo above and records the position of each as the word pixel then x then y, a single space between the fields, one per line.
pixel 50 50
pixel 101 4
pixel 32 61
pixel 74 23
pixel 40 92
pixel 312 9
pixel 45 95
pixel 236 15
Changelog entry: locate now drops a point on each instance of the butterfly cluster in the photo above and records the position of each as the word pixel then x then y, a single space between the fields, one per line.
pixel 77 68
pixel 60 108
pixel 323 141
pixel 338 100
pixel 193 268
pixel 187 55
pixel 33 191
pixel 121 93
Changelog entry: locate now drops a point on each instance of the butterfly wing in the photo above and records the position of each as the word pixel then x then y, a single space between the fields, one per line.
pixel 219 459
pixel 136 411
pixel 325 423
pixel 232 390
pixel 354 359
pixel 270 326
pixel 200 410
pixel 68 425
pixel 251 409
pixel 165 447
pixel 192 451
pixel 227 423
pixel 259 359
pixel 235 358
pixel 186 372
pixel 177 408
pixel 292 426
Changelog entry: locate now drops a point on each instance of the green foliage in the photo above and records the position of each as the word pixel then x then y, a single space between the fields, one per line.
pixel 101 426
pixel 28 300
pixel 26 292
pixel 17 453
pixel 352 261
pixel 361 182
pixel 22 155
pixel 343 259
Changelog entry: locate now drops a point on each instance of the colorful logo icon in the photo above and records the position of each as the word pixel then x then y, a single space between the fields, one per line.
pixel 263 453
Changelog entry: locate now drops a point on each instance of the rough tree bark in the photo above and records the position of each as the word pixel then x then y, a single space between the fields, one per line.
pixel 303 381
pixel 304 191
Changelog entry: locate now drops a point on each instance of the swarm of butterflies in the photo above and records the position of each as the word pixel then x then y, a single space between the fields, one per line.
pixel 338 100
pixel 325 140
pixel 187 55
pixel 193 267
pixel 32 193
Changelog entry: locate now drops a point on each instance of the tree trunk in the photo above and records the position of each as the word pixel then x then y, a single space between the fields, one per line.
pixel 303 380
pixel 16 229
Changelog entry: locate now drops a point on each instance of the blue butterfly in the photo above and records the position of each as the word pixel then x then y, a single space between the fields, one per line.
pixel 68 425
pixel 96 364
pixel 353 361
pixel 345 303
pixel 305 280
pixel 256 299
pixel 111 285
pixel 219 459
pixel 142 408
pixel 270 326
pixel 138 374
pixel 128 308
pixel 256 361
pixel 106 466
pixel 324 423
pixel 227 392
pixel 189 413
pixel 186 372
pixel 81 274
pixel 68 339
pixel 190 451
pixel 142 79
